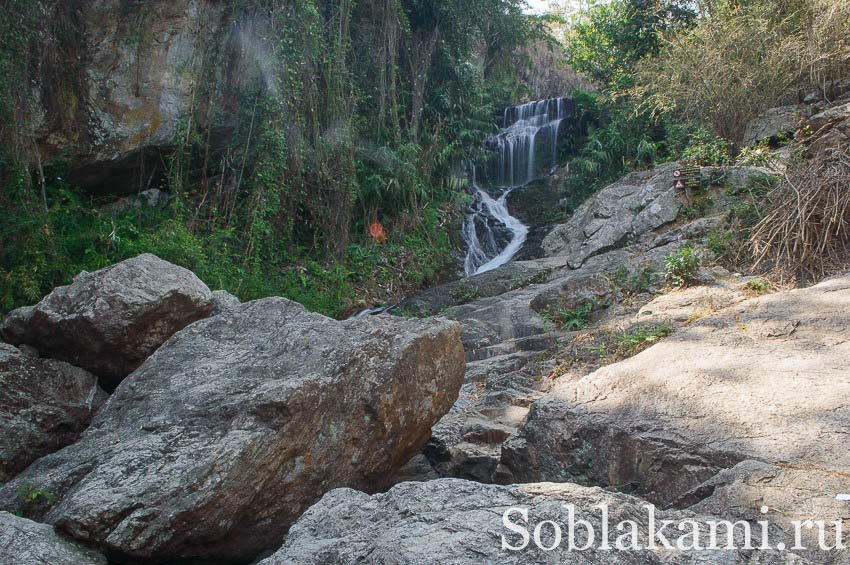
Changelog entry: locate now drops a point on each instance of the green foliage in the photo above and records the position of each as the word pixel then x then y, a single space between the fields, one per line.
pixel 77 235
pixel 704 148
pixel 613 345
pixel 682 267
pixel 573 319
pixel 634 340
pixel 720 241
pixel 34 499
pixel 635 282
pixel 757 286
pixel 610 38
pixel 465 292
pixel 365 110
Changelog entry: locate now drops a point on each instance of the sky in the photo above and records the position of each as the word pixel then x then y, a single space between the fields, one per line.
pixel 538 6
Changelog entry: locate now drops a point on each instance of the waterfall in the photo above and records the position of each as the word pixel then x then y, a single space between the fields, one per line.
pixel 525 149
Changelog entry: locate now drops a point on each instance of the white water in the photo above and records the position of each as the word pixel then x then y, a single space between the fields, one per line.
pixel 517 163
pixel 478 257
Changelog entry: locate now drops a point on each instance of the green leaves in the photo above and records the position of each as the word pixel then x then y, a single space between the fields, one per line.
pixel 682 267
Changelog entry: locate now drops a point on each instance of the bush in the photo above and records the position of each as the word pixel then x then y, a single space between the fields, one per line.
pixel 682 267
pixel 573 319
pixel 742 57
pixel 756 287
pixel 805 230
pixel 733 65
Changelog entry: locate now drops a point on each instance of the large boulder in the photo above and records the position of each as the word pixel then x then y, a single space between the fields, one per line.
pixel 109 321
pixel 765 380
pixel 44 406
pixel 456 521
pixel 24 542
pixel 616 216
pixel 239 422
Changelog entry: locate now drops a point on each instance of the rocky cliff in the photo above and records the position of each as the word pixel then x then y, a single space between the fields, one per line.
pixel 119 82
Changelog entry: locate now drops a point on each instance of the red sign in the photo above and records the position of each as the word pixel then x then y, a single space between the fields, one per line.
pixel 680 184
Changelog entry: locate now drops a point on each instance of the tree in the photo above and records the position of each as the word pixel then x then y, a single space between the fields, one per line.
pixel 608 40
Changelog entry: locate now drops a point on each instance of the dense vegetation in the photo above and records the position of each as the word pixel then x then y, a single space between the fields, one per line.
pixel 367 111
pixel 679 80
pixel 366 114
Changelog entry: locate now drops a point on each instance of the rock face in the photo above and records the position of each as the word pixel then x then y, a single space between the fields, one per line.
pixel 23 542
pixel 780 494
pixel 238 423
pixel 830 129
pixel 774 122
pixel 118 80
pixel 762 380
pixel 455 521
pixel 44 406
pixel 108 322
pixel 616 216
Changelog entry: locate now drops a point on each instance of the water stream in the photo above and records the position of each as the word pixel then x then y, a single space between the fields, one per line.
pixel 525 150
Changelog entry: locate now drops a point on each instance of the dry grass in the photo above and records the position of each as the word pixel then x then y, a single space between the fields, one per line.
pixel 805 233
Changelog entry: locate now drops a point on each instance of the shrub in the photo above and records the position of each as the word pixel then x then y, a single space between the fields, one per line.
pixel 742 56
pixel 574 319
pixel 805 230
pixel 34 499
pixel 757 286
pixel 633 283
pixel 733 65
pixel 465 292
pixel 682 267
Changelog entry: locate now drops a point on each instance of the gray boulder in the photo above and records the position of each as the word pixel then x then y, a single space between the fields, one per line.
pixel 108 322
pixel 151 198
pixel 774 122
pixel 24 542
pixel 44 406
pixel 456 521
pixel 616 216
pixel 223 301
pixel 239 422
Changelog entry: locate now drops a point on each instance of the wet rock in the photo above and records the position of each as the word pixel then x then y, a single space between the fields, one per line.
pixel 44 406
pixel 239 422
pixel 108 322
pixel 764 379
pixel 456 521
pixel 510 276
pixel 616 216
pixel 24 542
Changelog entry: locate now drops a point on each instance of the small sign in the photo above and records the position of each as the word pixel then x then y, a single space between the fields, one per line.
pixel 689 175
pixel 680 185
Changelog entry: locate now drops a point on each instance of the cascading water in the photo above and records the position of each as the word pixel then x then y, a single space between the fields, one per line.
pixel 492 235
